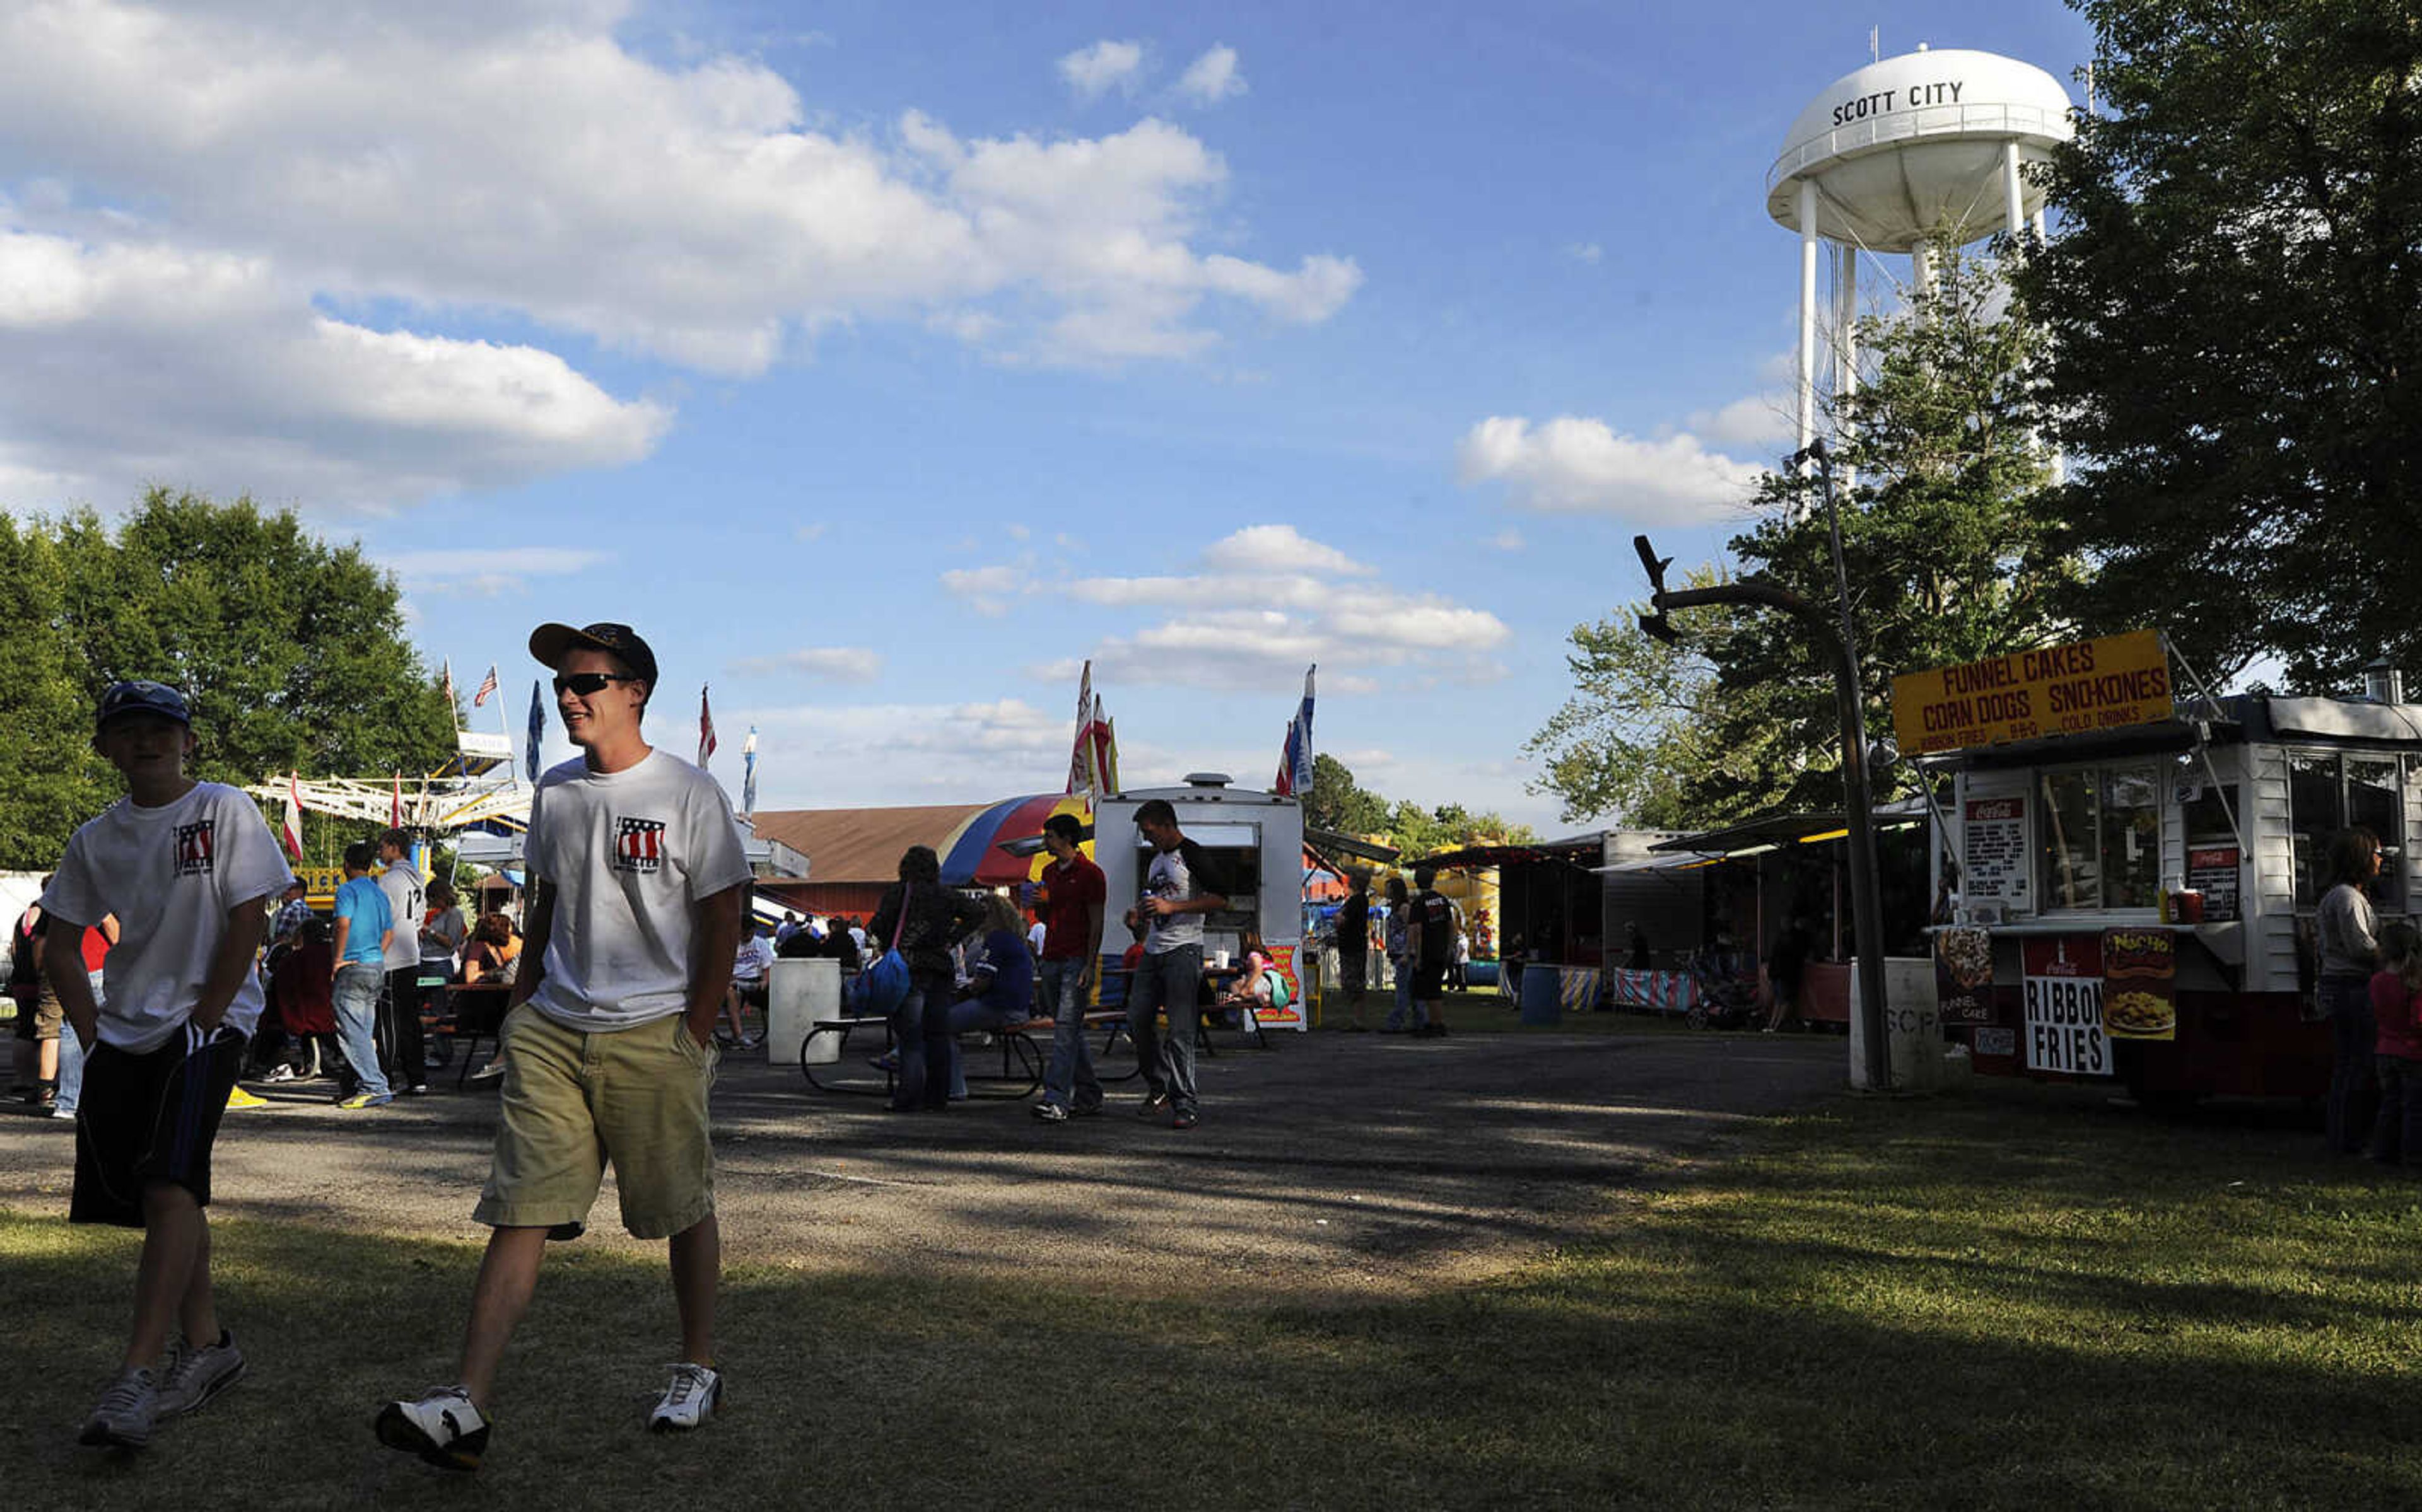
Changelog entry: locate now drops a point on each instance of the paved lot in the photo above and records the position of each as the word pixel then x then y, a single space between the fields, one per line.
pixel 1337 1164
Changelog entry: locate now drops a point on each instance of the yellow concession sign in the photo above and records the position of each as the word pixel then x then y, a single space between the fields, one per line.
pixel 2061 690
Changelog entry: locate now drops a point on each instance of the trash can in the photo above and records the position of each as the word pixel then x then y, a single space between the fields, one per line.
pixel 1543 997
pixel 799 994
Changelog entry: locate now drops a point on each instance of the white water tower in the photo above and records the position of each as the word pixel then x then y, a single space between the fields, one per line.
pixel 1890 156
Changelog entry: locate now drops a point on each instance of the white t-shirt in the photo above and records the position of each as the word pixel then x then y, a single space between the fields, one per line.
pixel 401 882
pixel 754 959
pixel 172 875
pixel 629 853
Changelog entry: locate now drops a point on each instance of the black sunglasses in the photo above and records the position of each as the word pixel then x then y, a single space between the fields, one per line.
pixel 585 683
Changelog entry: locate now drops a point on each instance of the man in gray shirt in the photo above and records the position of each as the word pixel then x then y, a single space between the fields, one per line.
pixel 399 1025
pixel 1180 886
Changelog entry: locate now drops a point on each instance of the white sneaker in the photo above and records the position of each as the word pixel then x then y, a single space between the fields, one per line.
pixel 122 1418
pixel 441 1426
pixel 195 1375
pixel 495 1068
pixel 695 1392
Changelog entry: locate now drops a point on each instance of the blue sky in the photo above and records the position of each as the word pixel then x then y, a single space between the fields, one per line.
pixel 882 364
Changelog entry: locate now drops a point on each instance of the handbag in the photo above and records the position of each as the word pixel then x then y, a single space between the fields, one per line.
pixel 879 988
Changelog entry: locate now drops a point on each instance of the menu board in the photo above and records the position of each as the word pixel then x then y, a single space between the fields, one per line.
pixel 1995 862
pixel 1963 975
pixel 2139 972
pixel 2062 983
pixel 2212 870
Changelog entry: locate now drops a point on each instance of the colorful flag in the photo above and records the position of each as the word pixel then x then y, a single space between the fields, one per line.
pixel 291 832
pixel 705 728
pixel 537 731
pixel 1098 750
pixel 1109 754
pixel 749 771
pixel 1295 761
pixel 487 687
pixel 395 806
pixel 1083 775
pixel 1301 754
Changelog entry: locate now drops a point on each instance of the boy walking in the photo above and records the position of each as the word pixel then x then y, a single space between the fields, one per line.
pixel 1075 900
pixel 399 1039
pixel 638 878
pixel 188 867
pixel 364 926
pixel 1180 886
pixel 1431 945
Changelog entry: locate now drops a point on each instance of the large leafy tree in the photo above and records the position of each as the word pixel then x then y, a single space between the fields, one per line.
pixel 290 649
pixel 2235 302
pixel 1953 554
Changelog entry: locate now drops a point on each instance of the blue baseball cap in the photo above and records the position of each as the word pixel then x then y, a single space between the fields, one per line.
pixel 137 696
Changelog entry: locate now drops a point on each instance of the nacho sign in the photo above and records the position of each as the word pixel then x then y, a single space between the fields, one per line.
pixel 2139 975
pixel 2060 690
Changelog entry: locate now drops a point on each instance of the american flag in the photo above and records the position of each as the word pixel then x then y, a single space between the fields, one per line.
pixel 487 687
pixel 705 728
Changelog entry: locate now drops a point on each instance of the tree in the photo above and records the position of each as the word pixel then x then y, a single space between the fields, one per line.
pixel 1951 554
pixel 289 648
pixel 1338 802
pixel 2234 304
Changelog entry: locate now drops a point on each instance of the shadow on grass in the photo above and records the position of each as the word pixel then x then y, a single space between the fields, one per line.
pixel 1990 1302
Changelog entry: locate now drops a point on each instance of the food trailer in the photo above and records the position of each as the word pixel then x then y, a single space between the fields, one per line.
pixel 2127 878
pixel 1255 838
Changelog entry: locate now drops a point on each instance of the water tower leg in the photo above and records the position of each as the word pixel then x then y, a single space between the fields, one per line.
pixel 1807 312
pixel 2013 195
pixel 1845 346
pixel 1920 267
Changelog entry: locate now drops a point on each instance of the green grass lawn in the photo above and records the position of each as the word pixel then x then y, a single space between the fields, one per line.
pixel 2016 1298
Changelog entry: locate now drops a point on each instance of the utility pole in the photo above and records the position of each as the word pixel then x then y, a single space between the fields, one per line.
pixel 1866 914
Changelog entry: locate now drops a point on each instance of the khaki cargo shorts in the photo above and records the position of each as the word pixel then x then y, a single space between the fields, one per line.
pixel 573 1102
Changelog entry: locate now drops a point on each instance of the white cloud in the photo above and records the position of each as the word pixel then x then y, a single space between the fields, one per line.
pixel 486 571
pixel 1589 252
pixel 1212 77
pixel 822 663
pixel 138 362
pixel 1762 421
pixel 813 530
pixel 271 175
pixel 836 755
pixel 1576 465
pixel 1265 601
pixel 987 589
pixel 1093 72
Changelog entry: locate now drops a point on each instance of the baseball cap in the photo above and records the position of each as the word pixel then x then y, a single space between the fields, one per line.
pixel 136 696
pixel 552 643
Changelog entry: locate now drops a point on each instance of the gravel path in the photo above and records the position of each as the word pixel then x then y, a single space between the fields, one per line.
pixel 1337 1165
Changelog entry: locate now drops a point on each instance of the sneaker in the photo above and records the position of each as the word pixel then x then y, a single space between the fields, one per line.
pixel 239 1098
pixel 442 1427
pixel 1185 1118
pixel 1051 1113
pixel 420 1089
pixel 363 1100
pixel 63 1110
pixel 888 1061
pixel 195 1375
pixel 495 1068
pixel 122 1418
pixel 1153 1106
pixel 1086 1110
pixel 694 1391
pixel 280 1073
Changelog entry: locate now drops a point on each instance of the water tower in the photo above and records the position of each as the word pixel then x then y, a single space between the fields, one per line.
pixel 1898 153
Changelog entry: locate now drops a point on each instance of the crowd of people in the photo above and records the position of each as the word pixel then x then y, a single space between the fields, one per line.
pixel 173 953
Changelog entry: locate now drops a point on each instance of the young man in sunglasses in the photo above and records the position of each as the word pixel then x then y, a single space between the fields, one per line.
pixel 638 877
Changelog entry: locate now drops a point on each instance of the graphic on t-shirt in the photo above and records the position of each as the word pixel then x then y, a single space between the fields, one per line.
pixel 639 844
pixel 193 848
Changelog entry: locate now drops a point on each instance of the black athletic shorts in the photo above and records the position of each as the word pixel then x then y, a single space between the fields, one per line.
pixel 149 1117
pixel 1429 983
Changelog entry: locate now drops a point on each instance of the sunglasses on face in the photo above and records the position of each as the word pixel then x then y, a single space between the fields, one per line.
pixel 586 683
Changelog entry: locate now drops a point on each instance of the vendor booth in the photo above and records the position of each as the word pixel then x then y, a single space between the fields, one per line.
pixel 2129 880
pixel 1256 840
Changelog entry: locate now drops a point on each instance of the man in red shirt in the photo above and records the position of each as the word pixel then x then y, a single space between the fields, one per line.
pixel 1075 898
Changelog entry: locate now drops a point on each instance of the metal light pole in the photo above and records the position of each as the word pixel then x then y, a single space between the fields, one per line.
pixel 1866 914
